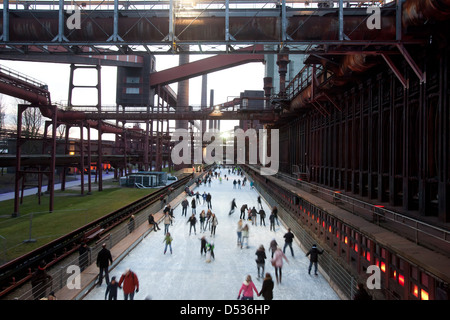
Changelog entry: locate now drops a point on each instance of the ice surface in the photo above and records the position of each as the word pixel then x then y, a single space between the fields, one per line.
pixel 186 275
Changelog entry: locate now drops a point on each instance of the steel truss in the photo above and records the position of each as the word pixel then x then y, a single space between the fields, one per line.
pixel 207 27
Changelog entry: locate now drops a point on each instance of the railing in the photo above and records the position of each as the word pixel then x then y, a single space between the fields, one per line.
pixel 61 273
pixel 339 278
pixel 20 76
pixel 419 231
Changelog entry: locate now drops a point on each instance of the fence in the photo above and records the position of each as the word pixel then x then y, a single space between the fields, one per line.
pixel 60 273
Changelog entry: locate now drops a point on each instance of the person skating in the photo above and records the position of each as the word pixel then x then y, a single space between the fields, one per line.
pixel 209 251
pixel 288 238
pixel 192 220
pixel 259 202
pixel 314 252
pixel 104 258
pixel 111 289
pixel 168 240
pixel 167 222
pixel 277 263
pixel 239 232
pixel 184 205
pixel 193 205
pixel 202 220
pixel 208 200
pixel 130 284
pixel 262 217
pixel 275 213
pixel 260 260
pixel 272 221
pixel 273 246
pixel 247 289
pixel 245 235
pixel 267 287
pixel 233 206
pixel 243 209
pixel 214 223
pixel 203 245
pixel 253 214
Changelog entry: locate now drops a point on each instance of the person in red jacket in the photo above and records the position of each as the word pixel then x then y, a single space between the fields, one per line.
pixel 130 284
pixel 247 289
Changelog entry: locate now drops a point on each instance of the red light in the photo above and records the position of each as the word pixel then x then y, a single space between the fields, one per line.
pixel 368 256
pixel 329 229
pixel 345 240
pixel 415 291
pixel 323 224
pixel 401 280
pixel 383 266
pixel 356 247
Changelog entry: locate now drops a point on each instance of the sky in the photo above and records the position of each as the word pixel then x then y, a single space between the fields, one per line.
pixel 227 84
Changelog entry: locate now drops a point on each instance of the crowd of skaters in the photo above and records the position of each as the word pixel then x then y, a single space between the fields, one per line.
pixel 208 222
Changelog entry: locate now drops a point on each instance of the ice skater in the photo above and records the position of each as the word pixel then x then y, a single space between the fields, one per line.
pixel 288 238
pixel 243 208
pixel 168 240
pixel 202 220
pixel 272 222
pixel 239 233
pixel 260 260
pixel 167 222
pixel 209 251
pixel 192 220
pixel 203 245
pixel 262 217
pixel 245 234
pixel 233 206
pixel 214 223
pixel 193 205
pixel 247 289
pixel 314 252
pixel 267 287
pixel 111 290
pixel 277 263
pixel 130 284
pixel 184 205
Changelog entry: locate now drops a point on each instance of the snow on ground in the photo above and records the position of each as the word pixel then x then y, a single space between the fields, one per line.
pixel 185 274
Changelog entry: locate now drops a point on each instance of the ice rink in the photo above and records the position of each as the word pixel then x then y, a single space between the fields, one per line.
pixel 186 275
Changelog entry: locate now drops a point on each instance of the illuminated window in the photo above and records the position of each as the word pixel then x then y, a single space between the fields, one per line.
pixel 368 256
pixel 356 247
pixel 383 266
pixel 401 280
pixel 423 295
pixel 415 290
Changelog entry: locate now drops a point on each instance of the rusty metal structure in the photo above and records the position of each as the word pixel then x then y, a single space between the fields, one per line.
pixel 367 116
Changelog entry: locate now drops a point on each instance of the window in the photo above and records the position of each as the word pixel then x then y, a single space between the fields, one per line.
pixel 133 80
pixel 132 91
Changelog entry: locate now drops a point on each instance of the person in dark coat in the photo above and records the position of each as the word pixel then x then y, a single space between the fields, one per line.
pixel 288 238
pixel 104 259
pixel 193 205
pixel 40 281
pixel 260 260
pixel 111 289
pixel 262 217
pixel 203 245
pixel 151 220
pixel 361 294
pixel 233 206
pixel 314 252
pixel 193 221
pixel 185 205
pixel 208 201
pixel 243 208
pixel 83 256
pixel 267 287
